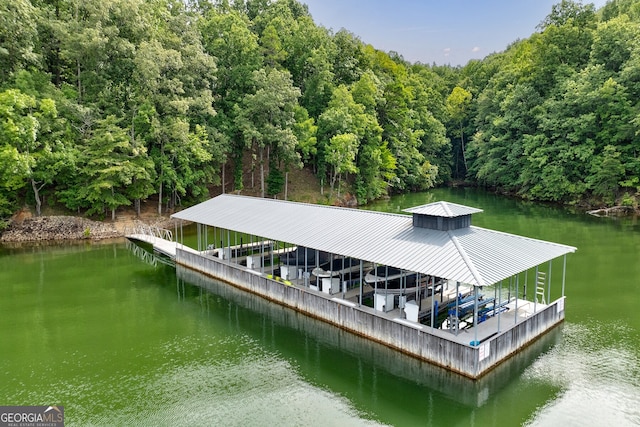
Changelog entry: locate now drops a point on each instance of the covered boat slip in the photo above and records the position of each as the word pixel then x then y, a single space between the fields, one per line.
pixel 477 295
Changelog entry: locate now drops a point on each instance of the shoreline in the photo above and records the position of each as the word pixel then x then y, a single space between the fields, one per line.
pixel 25 229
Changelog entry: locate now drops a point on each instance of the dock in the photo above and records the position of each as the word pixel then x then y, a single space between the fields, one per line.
pixel 472 304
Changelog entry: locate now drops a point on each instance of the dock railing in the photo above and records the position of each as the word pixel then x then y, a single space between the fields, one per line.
pixel 150 230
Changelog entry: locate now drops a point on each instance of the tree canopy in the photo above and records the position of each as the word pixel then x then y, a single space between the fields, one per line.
pixel 105 104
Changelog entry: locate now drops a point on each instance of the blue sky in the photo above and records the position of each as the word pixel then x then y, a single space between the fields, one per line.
pixel 441 31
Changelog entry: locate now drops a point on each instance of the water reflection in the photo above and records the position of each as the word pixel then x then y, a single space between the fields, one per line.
pixel 365 371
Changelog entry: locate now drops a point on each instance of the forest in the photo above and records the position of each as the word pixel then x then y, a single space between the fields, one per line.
pixel 106 104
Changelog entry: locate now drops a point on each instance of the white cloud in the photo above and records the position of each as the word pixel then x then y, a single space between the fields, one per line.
pixel 475 49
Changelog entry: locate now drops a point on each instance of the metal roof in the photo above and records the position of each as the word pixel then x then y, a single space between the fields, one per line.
pixel 470 255
pixel 444 209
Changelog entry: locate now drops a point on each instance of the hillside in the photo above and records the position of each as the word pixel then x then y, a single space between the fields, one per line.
pixel 105 106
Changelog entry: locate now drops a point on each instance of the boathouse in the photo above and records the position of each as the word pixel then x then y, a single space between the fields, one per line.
pixel 428 284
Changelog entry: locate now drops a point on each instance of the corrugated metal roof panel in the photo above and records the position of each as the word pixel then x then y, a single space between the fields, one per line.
pixel 443 209
pixel 479 256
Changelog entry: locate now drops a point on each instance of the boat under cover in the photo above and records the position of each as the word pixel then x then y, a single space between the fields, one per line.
pixel 338 267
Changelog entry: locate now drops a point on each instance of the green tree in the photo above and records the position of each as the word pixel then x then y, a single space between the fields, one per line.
pixel 613 43
pixel 569 12
pixel 266 118
pixel 305 131
pixel 341 155
pixel 33 152
pixel 227 36
pixel 274 53
pixel 174 77
pixel 18 36
pixel 113 169
pixel 606 172
pixel 457 104
pixel 348 57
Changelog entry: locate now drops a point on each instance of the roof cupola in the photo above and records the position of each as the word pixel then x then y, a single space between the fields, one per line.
pixel 443 216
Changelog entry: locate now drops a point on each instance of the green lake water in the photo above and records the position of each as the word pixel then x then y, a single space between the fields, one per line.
pixel 118 341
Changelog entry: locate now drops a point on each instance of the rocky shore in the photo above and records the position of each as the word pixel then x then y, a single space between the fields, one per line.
pixel 58 228
pixel 51 228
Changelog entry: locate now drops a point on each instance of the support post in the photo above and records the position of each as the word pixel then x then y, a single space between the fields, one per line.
pixel 375 284
pixel 535 297
pixel 261 254
pixel 330 271
pixel 515 317
pixel 361 279
pixel 475 316
pixel 564 272
pixel 457 326
pixel 271 258
pixel 495 301
pixel 433 302
pixel 305 264
pixel 198 236
pixel 497 307
pixel 386 279
pixel 549 284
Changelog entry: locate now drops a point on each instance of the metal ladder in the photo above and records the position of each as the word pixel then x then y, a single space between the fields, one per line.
pixel 540 281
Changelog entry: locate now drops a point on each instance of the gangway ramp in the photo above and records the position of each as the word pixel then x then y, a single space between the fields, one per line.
pixel 160 245
pixel 160 239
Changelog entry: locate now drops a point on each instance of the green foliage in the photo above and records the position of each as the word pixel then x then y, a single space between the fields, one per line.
pixel 275 181
pixel 557 120
pixel 457 106
pixel 628 200
pixel 341 155
pixel 129 99
pixel 305 131
pixel 106 104
pixel 606 172
pixel 18 36
pixel 266 118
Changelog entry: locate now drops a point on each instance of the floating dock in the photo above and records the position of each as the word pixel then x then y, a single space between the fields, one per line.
pixel 480 295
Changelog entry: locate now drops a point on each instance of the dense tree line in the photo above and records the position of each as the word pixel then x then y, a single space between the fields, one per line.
pixel 105 104
pixel 557 116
